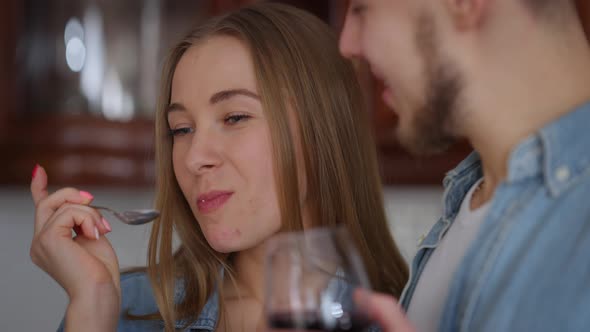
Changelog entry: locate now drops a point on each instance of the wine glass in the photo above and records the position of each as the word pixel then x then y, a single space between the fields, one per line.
pixel 311 278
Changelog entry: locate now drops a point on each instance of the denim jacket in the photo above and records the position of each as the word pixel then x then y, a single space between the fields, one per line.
pixel 138 299
pixel 529 267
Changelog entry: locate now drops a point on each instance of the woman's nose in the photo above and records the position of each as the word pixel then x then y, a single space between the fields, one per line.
pixel 202 155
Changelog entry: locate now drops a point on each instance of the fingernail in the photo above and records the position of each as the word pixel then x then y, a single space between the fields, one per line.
pixel 96 232
pixel 106 224
pixel 35 169
pixel 86 195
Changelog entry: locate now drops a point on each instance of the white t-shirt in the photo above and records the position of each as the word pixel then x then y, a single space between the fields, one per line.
pixel 433 286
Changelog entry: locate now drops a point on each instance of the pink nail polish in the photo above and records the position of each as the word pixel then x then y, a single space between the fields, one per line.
pixel 86 195
pixel 96 233
pixel 35 171
pixel 106 224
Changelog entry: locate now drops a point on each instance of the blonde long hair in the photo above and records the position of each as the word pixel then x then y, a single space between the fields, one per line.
pixel 298 66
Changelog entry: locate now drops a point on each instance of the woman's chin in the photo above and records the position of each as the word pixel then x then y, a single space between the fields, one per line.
pixel 224 241
pixel 223 249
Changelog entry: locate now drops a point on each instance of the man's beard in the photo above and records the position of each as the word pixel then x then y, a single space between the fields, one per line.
pixel 431 128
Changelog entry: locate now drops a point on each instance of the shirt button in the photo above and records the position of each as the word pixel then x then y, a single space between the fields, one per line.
pixel 562 174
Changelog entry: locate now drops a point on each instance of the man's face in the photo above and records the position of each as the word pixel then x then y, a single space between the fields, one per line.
pixel 398 39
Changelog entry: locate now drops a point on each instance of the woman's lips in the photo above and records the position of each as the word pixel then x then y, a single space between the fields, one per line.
pixel 212 200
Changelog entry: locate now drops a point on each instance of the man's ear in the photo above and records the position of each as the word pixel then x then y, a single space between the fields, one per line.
pixel 467 14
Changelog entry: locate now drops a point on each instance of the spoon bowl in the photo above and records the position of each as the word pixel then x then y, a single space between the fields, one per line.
pixel 132 217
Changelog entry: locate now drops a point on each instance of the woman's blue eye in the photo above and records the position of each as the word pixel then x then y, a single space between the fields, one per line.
pixel 180 131
pixel 233 119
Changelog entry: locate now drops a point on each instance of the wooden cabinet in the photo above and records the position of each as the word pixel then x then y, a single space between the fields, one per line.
pixel 8 35
pixel 77 147
pixel 84 149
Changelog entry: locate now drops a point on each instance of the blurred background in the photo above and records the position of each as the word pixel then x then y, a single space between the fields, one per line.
pixel 78 86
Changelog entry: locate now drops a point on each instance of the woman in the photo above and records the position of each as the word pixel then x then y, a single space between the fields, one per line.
pixel 260 128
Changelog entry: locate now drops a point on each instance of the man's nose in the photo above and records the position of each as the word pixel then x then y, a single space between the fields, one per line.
pixel 349 39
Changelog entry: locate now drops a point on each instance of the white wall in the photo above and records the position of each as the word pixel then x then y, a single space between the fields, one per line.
pixel 31 301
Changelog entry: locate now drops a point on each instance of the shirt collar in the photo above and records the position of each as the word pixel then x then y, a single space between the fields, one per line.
pixel 458 181
pixel 559 152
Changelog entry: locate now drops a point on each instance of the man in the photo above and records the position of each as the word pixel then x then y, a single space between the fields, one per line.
pixel 512 250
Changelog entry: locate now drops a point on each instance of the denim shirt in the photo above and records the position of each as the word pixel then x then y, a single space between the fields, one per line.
pixel 138 299
pixel 529 267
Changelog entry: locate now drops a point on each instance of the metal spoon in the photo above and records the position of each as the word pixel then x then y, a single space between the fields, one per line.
pixel 132 217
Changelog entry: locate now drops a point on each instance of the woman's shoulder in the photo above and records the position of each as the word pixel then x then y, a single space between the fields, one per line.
pixel 137 299
pixel 136 276
pixel 137 296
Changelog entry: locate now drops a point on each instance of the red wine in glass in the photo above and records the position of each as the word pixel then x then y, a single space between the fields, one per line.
pixel 313 322
pixel 311 278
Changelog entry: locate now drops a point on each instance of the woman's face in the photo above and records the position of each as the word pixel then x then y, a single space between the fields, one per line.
pixel 222 153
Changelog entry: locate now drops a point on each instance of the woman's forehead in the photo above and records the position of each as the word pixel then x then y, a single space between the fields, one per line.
pixel 217 63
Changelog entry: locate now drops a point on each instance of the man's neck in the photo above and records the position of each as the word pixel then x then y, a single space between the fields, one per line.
pixel 523 98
